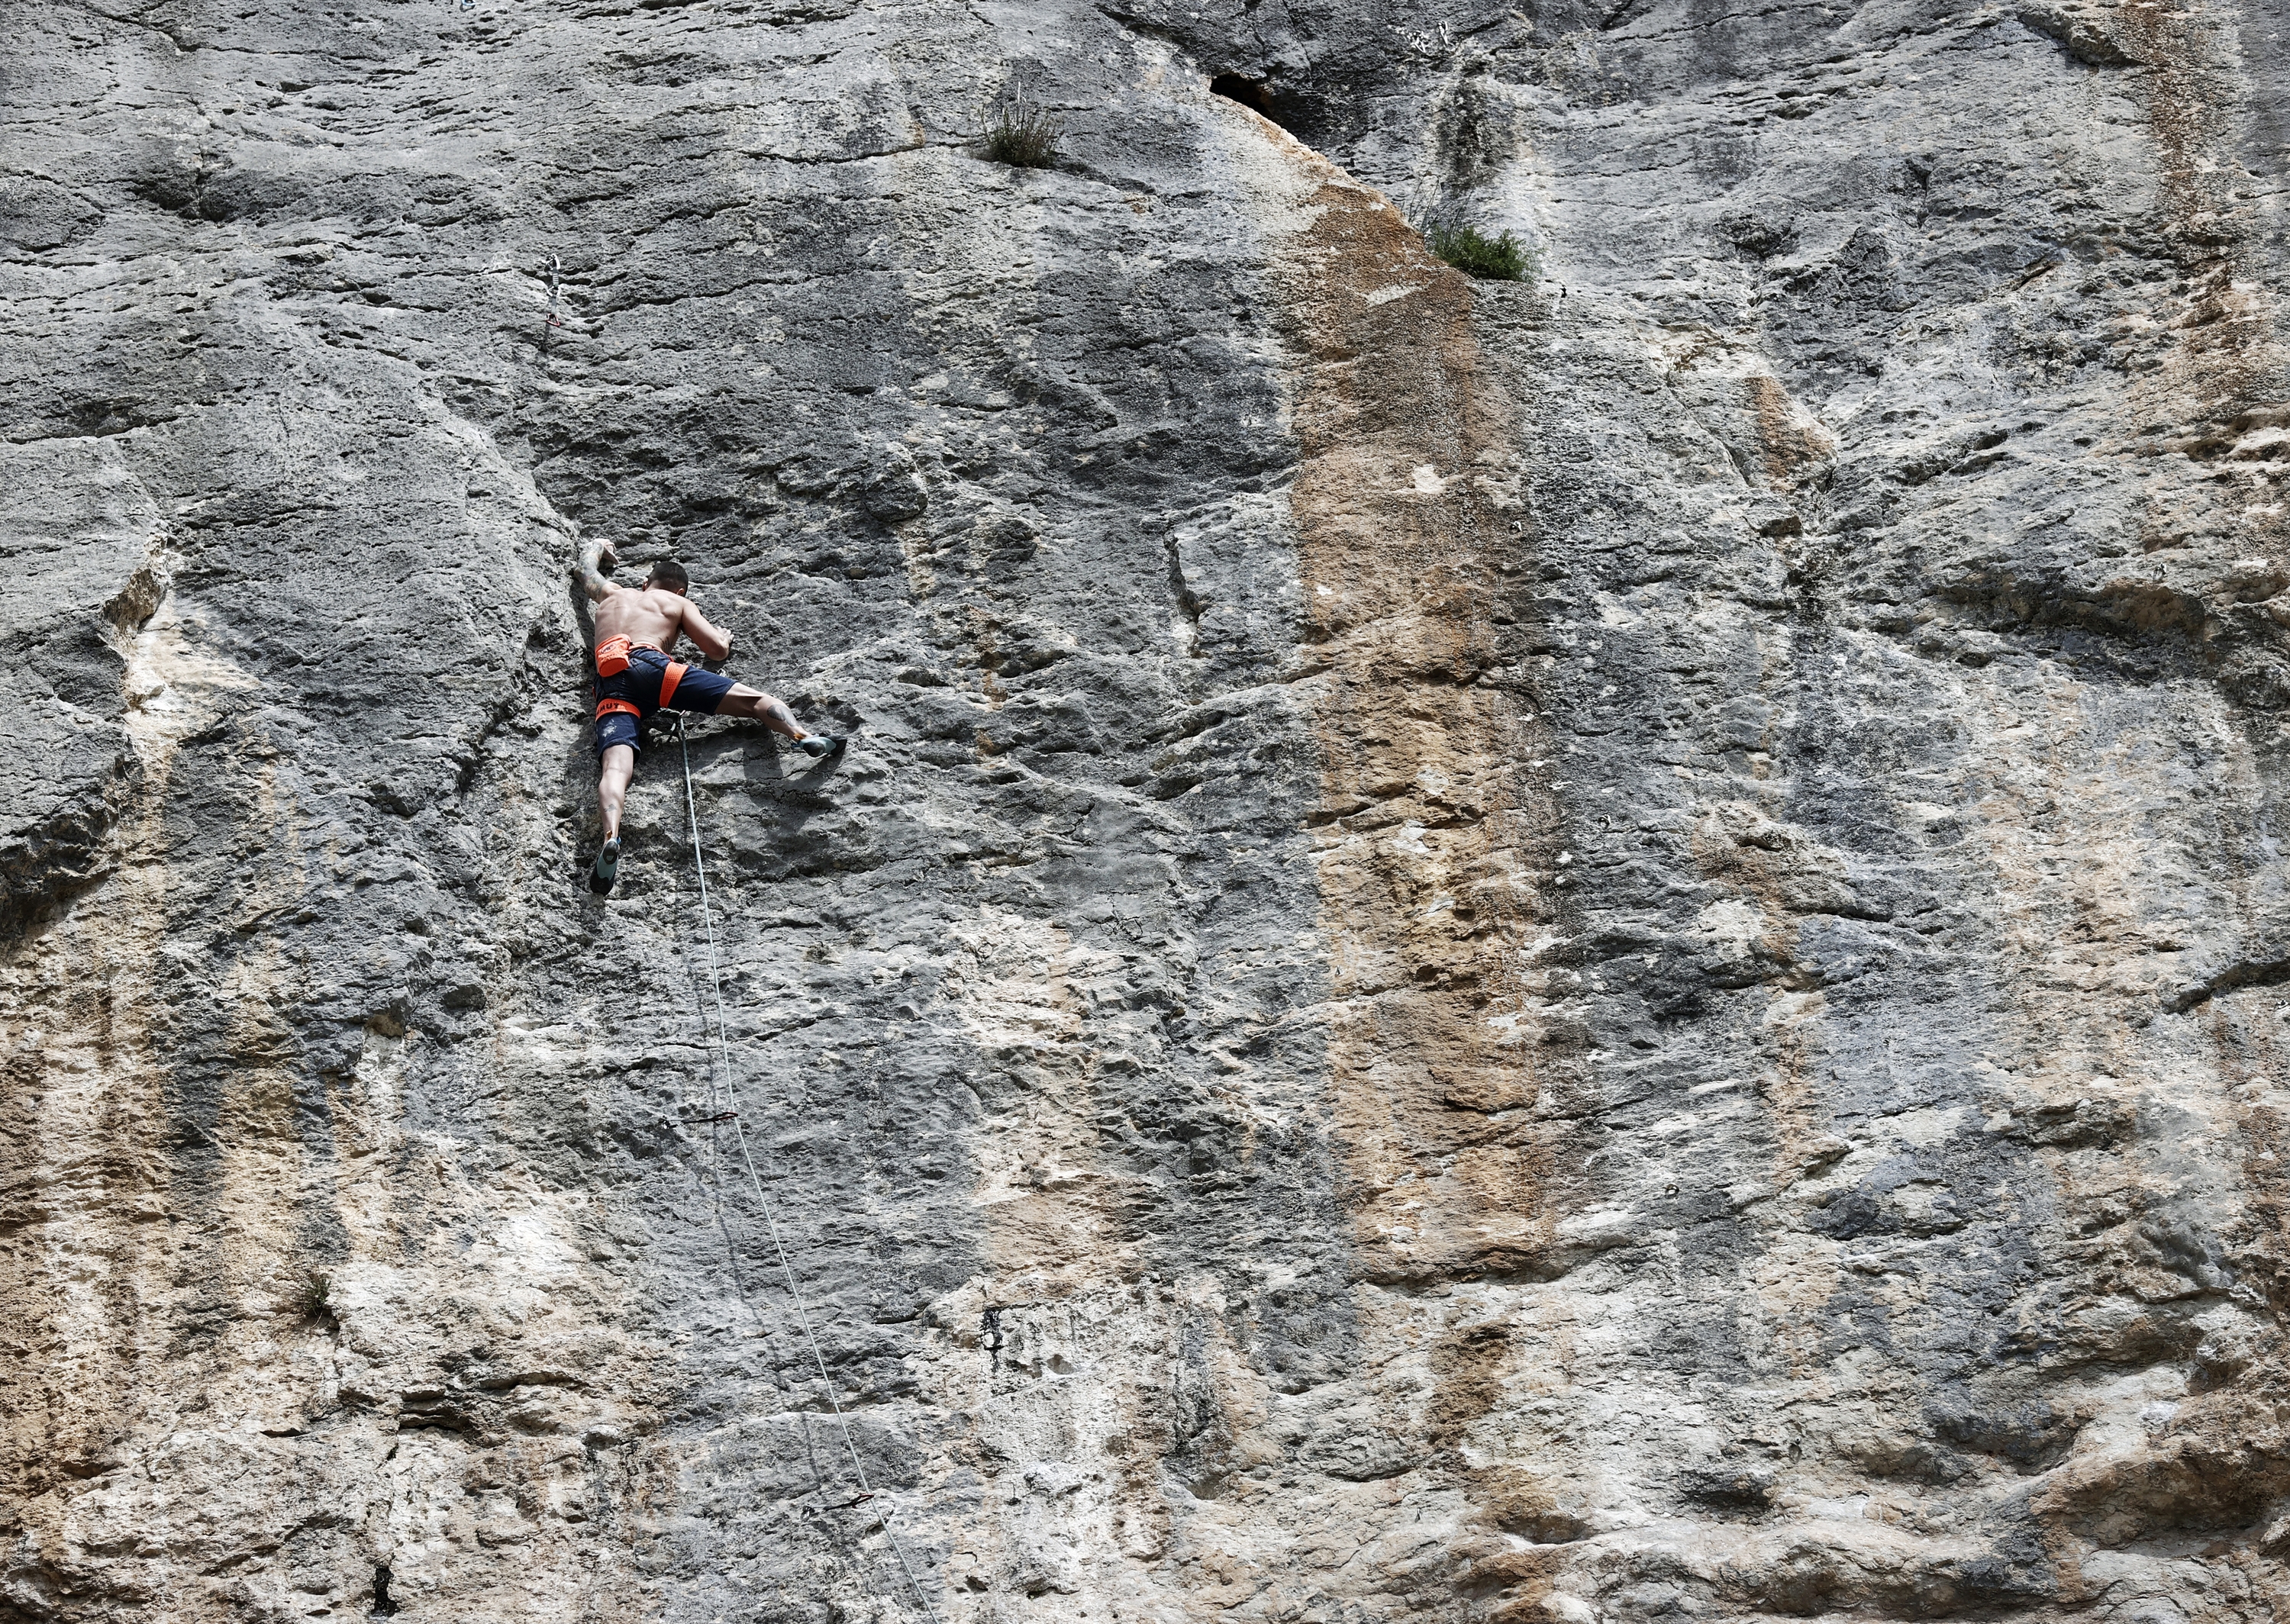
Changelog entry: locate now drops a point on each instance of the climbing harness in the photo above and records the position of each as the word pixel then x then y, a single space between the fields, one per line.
pixel 614 655
pixel 763 1198
pixel 612 660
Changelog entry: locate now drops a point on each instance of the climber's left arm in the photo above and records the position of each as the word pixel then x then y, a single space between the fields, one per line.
pixel 595 558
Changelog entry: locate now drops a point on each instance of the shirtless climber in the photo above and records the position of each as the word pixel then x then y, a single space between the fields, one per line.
pixel 636 628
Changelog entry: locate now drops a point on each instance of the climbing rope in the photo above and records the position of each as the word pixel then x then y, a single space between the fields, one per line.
pixel 762 1196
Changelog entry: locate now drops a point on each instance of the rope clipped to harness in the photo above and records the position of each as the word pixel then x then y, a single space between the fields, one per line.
pixel 763 1198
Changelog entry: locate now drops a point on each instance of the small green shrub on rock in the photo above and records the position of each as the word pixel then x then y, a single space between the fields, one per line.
pixel 310 1296
pixel 1021 135
pixel 1471 250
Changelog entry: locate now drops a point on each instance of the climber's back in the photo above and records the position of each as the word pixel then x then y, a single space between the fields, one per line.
pixel 654 614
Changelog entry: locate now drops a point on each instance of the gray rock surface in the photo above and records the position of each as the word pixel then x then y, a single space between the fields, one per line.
pixel 1594 950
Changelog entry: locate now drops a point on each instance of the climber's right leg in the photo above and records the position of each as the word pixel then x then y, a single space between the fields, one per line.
pixel 742 700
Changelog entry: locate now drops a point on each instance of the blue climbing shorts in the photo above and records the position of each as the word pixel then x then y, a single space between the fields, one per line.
pixel 698 689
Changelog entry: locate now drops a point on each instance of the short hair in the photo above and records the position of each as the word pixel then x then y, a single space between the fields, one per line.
pixel 667 573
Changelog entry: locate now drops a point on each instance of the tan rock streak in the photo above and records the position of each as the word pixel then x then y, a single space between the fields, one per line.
pixel 1423 839
pixel 2222 390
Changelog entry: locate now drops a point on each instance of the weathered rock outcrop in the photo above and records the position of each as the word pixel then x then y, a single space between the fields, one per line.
pixel 1592 951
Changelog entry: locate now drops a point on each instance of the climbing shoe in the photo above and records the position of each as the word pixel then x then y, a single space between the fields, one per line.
pixel 607 868
pixel 820 744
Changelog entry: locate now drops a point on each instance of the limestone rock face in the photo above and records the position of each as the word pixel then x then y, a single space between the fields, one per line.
pixel 1594 949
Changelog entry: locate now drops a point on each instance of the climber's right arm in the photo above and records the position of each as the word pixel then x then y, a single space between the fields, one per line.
pixel 712 644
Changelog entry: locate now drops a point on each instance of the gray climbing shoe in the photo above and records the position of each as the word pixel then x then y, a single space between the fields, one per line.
pixel 607 868
pixel 820 744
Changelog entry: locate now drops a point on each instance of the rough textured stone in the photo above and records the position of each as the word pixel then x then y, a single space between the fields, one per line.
pixel 1595 950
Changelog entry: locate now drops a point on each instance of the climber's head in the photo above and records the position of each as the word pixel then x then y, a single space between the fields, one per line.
pixel 668 573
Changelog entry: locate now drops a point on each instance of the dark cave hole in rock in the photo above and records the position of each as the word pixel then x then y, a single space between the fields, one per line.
pixel 1252 93
pixel 383 1607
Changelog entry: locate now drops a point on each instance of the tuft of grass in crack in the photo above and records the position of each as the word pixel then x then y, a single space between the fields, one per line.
pixel 1020 134
pixel 1501 258
pixel 310 1298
